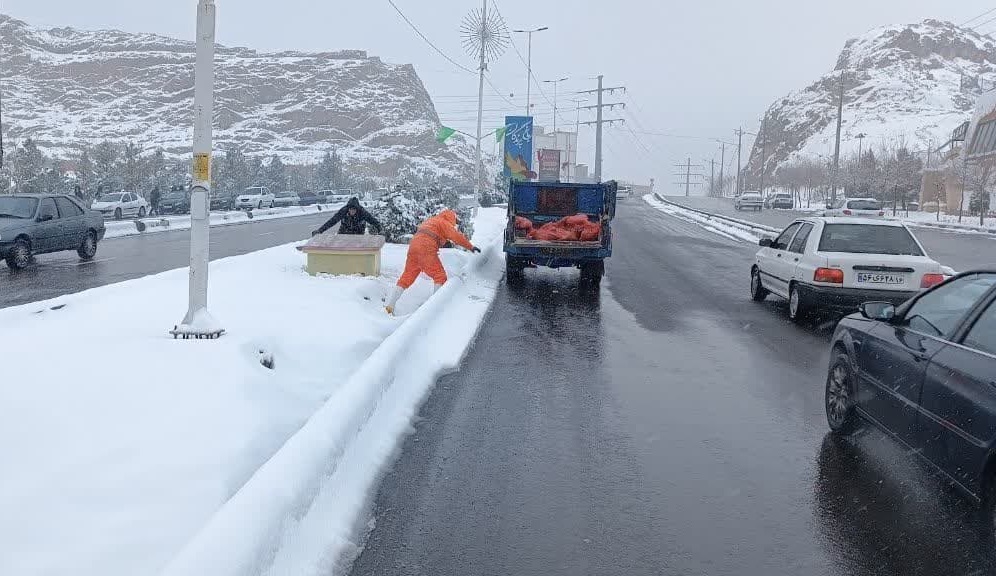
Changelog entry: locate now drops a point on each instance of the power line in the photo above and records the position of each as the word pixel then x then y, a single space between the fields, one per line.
pixel 427 41
pixel 986 13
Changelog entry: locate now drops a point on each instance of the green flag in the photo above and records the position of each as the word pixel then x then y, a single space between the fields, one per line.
pixel 444 134
pixel 500 134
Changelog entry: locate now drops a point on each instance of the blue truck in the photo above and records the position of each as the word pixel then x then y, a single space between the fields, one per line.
pixel 545 202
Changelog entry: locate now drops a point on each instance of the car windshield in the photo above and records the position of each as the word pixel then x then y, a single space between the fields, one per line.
pixel 17 207
pixel 864 204
pixel 109 198
pixel 868 239
pixel 254 192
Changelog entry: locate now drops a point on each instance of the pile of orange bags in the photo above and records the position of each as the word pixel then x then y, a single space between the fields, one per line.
pixel 569 229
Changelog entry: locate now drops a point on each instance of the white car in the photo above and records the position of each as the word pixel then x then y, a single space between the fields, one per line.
pixel 285 199
pixel 749 201
pixel 255 197
pixel 857 207
pixel 836 264
pixel 120 205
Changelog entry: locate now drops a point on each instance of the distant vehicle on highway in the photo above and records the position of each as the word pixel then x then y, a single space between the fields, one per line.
pixel 39 224
pixel 857 207
pixel 924 372
pixel 334 196
pixel 287 198
pixel 175 202
pixel 749 201
pixel 222 201
pixel 255 197
pixel 835 264
pixel 779 200
pixel 120 205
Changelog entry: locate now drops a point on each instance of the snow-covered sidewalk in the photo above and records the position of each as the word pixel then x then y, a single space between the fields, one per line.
pixel 126 452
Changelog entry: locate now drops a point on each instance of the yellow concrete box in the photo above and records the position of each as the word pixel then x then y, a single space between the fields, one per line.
pixel 343 254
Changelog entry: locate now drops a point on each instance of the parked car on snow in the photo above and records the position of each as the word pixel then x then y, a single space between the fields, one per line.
pixel 835 264
pixel 924 372
pixel 779 200
pixel 255 197
pixel 748 201
pixel 308 199
pixel 222 201
pixel 39 224
pixel 120 205
pixel 285 199
pixel 859 207
pixel 175 202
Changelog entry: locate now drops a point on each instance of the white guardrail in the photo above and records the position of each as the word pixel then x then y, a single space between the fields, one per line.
pixel 745 225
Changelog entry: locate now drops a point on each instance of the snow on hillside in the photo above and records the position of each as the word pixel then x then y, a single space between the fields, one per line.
pixel 906 83
pixel 64 86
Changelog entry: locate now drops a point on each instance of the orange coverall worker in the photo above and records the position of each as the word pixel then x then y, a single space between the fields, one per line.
pixel 423 253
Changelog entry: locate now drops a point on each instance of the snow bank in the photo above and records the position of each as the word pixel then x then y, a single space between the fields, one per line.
pixel 732 228
pixel 116 229
pixel 123 447
pixel 968 225
pixel 303 513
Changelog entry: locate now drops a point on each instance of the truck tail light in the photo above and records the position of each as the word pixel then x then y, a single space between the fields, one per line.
pixel 829 275
pixel 930 280
pixel 847 212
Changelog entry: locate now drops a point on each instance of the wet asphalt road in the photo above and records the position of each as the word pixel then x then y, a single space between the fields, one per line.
pixel 955 249
pixel 128 257
pixel 668 426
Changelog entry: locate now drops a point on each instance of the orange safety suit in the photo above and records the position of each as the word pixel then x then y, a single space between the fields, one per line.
pixel 423 252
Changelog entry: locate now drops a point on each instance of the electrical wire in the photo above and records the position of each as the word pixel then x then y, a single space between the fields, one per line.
pixel 970 20
pixel 427 41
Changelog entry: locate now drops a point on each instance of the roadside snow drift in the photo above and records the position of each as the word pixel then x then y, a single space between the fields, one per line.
pixel 127 452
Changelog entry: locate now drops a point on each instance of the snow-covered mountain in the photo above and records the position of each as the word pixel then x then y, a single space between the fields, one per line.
pixel 63 86
pixel 912 84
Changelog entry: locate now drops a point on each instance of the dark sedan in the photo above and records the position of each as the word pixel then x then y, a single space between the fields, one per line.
pixel 926 374
pixel 177 202
pixel 222 201
pixel 39 224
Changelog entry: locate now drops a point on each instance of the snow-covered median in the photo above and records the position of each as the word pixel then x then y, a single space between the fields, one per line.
pixel 119 228
pixel 126 452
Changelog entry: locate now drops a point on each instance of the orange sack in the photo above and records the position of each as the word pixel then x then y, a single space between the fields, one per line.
pixel 523 223
pixel 591 231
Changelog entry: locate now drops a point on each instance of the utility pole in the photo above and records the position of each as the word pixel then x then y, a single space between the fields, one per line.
pixel 198 322
pixel 740 145
pixel 480 107
pixel 599 121
pixel 529 63
pixel 836 151
pixel 722 162
pixel 577 127
pixel 764 148
pixel 687 175
pixel 712 177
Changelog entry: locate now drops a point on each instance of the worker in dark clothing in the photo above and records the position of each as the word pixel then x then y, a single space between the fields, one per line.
pixel 154 198
pixel 78 192
pixel 354 219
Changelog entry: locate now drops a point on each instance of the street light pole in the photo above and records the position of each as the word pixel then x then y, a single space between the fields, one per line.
pixel 480 107
pixel 555 82
pixel 529 62
pixel 198 322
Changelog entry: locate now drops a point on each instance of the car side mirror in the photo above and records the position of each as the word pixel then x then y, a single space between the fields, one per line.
pixel 45 218
pixel 766 242
pixel 882 311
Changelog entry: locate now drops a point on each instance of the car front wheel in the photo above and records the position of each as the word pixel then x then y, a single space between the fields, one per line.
pixel 20 255
pixel 757 290
pixel 88 249
pixel 839 397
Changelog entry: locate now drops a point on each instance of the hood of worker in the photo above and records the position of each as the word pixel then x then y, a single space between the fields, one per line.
pixel 450 216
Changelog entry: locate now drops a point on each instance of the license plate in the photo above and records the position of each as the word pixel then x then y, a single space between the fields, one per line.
pixel 880 278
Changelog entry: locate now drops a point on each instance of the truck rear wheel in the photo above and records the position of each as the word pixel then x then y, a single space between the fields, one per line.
pixel 514 269
pixel 592 272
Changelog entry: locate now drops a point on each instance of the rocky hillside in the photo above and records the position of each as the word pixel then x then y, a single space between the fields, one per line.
pixel 63 86
pixel 909 84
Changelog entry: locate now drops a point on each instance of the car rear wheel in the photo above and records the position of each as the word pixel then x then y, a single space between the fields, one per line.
pixel 20 255
pixel 591 273
pixel 799 308
pixel 839 397
pixel 88 249
pixel 757 290
pixel 514 270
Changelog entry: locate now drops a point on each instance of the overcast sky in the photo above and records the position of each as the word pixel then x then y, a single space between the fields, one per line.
pixel 692 69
